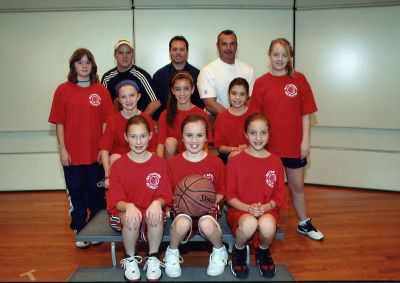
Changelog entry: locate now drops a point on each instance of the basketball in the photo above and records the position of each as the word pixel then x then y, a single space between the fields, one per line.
pixel 194 195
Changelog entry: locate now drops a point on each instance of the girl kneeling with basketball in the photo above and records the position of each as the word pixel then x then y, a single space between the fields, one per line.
pixel 139 189
pixel 255 191
pixel 194 160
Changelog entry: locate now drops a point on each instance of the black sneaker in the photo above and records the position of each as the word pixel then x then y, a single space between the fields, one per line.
pixel 267 265
pixel 309 230
pixel 239 266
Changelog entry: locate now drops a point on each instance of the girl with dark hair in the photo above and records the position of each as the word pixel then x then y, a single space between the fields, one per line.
pixel 229 137
pixel 80 109
pixel 179 107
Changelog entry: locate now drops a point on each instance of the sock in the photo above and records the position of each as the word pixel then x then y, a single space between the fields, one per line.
pixel 303 222
pixel 240 248
pixel 173 250
pixel 218 249
pixel 126 255
pixel 262 248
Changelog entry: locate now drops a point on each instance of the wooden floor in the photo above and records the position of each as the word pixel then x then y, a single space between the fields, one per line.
pixel 362 230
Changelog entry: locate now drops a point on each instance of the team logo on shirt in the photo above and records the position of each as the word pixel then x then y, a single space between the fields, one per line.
pixel 270 178
pixel 153 180
pixel 209 176
pixel 95 99
pixel 290 90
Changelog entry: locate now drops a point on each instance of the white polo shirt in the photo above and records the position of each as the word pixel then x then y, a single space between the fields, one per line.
pixel 214 79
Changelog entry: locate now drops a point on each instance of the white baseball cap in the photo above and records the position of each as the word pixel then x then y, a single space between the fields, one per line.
pixel 122 42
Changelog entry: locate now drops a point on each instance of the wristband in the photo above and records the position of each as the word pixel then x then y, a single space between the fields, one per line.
pixel 60 146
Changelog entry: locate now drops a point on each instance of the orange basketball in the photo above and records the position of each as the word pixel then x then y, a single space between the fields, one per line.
pixel 194 195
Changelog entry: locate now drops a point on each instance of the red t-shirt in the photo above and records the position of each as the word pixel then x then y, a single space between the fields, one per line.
pixel 285 101
pixel 229 129
pixel 164 130
pixel 138 183
pixel 210 167
pixel 82 111
pixel 252 180
pixel 113 139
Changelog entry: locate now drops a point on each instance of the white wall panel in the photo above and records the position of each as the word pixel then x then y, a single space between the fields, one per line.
pixel 36 47
pixel 350 59
pixel 255 30
pixel 35 171
pixel 358 169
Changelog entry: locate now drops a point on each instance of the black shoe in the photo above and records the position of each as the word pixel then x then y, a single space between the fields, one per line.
pixel 267 265
pixel 239 266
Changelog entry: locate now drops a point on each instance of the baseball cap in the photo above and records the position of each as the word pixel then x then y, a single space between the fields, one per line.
pixel 122 42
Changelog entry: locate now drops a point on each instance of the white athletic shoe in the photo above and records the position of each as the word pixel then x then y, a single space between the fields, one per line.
pixel 82 245
pixel 172 261
pixel 218 260
pixel 153 265
pixel 130 264
pixel 309 230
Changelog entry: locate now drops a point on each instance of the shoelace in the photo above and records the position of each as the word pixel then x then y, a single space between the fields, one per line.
pixel 136 258
pixel 214 256
pixel 153 262
pixel 169 253
pixel 309 225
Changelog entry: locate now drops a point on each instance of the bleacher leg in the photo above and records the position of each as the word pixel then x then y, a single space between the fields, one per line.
pixel 248 254
pixel 113 255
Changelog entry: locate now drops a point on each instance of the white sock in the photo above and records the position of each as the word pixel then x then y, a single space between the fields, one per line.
pixel 173 250
pixel 218 249
pixel 263 247
pixel 240 248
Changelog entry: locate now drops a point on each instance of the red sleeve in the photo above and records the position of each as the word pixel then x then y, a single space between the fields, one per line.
pixel 218 131
pixel 165 191
pixel 107 139
pixel 231 180
pixel 115 192
pixel 107 104
pixel 171 179
pixel 162 128
pixel 279 193
pixel 221 178
pixel 256 97
pixel 308 103
pixel 57 112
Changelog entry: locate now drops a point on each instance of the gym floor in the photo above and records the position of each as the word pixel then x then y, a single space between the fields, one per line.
pixel 362 230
